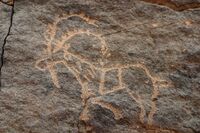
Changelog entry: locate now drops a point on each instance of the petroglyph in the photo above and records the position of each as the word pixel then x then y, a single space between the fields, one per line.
pixel 55 46
pixel 117 112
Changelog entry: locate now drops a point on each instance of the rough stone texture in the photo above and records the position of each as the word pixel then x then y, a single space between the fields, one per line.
pixel 118 66
pixel 178 5
pixel 7 2
pixel 5 13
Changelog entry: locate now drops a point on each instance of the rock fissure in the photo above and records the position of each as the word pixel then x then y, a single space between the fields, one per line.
pixel 5 41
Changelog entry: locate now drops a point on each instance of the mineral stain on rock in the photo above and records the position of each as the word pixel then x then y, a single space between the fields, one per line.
pixel 96 66
pixel 177 5
pixel 7 2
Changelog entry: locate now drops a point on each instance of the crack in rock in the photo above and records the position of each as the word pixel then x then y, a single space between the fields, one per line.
pixel 5 41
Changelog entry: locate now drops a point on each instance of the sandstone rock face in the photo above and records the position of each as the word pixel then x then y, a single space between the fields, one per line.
pixel 99 66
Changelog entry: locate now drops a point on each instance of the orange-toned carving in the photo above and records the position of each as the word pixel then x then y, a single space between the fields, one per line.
pixel 54 46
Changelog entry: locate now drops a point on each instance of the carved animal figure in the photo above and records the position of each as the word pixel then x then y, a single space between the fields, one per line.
pixel 58 52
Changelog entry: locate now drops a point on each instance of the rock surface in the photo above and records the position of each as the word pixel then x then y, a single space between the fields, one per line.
pixel 99 66
pixel 5 14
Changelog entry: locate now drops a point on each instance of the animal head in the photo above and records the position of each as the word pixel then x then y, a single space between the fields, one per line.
pixel 57 50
